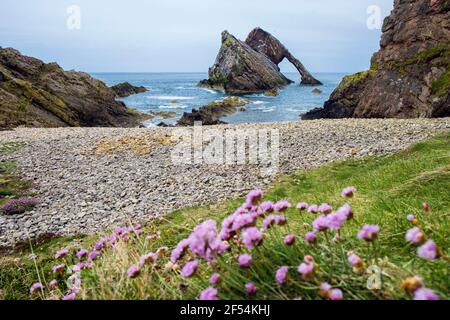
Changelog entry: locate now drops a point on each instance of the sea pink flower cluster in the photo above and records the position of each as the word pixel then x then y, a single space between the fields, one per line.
pixel 369 232
pixel 329 293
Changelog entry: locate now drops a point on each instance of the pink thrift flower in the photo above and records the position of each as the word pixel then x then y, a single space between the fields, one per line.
pixel 58 268
pixel 82 253
pixel 245 260
pixel 313 209
pixel 311 237
pixel 325 289
pixel 346 211
pixel 321 223
pixel 148 259
pixel 178 252
pixel 99 245
pixel 302 206
pixel 336 220
pixel 281 206
pixel 254 197
pixel 133 271
pixel 307 270
pixel 215 279
pixel 70 297
pixel 209 294
pixel 289 240
pixel 336 295
pixel 325 208
pixel 415 236
pixel 355 261
pixel 428 251
pixel 348 192
pixel 189 269
pixel 61 253
pixel 267 206
pixel 36 287
pixel 94 255
pixel 410 217
pixel 281 275
pixel 369 232
pixel 251 237
pixel 426 207
pixel 425 294
pixel 251 289
pixel 52 285
pixel 121 230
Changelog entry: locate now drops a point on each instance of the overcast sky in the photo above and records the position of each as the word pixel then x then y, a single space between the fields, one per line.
pixel 184 35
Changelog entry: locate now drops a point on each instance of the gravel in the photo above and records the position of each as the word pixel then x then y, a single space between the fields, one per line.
pixel 83 192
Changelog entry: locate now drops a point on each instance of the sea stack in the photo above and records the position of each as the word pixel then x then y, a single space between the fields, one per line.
pixel 409 77
pixel 240 69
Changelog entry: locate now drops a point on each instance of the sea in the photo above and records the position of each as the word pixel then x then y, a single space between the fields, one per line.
pixel 179 93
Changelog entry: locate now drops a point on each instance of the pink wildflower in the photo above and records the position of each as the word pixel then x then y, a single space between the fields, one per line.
pixel 281 206
pixel 52 285
pixel 58 268
pixel 313 209
pixel 302 206
pixel 245 260
pixel 369 232
pixel 355 261
pixel 415 236
pixel 281 275
pixel 348 192
pixel 307 270
pixel 410 217
pixel 70 297
pixel 336 220
pixel 325 289
pixel 425 294
pixel 148 259
pixel 311 237
pixel 321 223
pixel 251 237
pixel 254 197
pixel 82 253
pixel 336 295
pixel 267 206
pixel 36 287
pixel 133 271
pixel 189 269
pixel 426 207
pixel 209 294
pixel 325 208
pixel 251 289
pixel 61 253
pixel 289 240
pixel 94 255
pixel 178 252
pixel 428 251
pixel 215 279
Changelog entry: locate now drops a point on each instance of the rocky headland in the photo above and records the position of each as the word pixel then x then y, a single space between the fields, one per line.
pixel 38 94
pixel 252 66
pixel 409 77
pixel 126 89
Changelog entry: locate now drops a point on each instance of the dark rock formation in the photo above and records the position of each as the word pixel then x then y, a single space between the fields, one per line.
pixel 265 43
pixel 212 112
pixel 240 69
pixel 126 89
pixel 36 94
pixel 410 75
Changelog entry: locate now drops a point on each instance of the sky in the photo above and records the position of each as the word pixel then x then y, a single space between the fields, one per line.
pixel 184 35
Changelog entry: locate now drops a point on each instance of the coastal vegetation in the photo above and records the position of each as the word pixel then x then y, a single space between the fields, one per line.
pixel 387 238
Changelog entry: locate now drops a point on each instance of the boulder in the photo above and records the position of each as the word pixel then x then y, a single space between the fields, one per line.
pixel 126 89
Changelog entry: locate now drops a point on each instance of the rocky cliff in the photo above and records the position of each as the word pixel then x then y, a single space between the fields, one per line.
pixel 410 75
pixel 252 66
pixel 38 94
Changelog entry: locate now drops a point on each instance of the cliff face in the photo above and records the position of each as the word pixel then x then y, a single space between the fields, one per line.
pixel 410 75
pixel 36 94
pixel 252 66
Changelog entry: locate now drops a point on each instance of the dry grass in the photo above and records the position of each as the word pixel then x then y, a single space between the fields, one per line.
pixel 139 145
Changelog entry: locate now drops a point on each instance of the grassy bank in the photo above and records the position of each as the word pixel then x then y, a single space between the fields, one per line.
pixel 389 188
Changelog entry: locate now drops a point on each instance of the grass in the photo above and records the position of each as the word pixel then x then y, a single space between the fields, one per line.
pixel 389 188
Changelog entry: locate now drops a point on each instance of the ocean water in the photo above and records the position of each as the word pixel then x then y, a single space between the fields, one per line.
pixel 178 92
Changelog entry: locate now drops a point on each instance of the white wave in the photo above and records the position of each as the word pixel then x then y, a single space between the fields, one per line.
pixel 209 90
pixel 258 102
pixel 268 110
pixel 170 98
pixel 173 106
